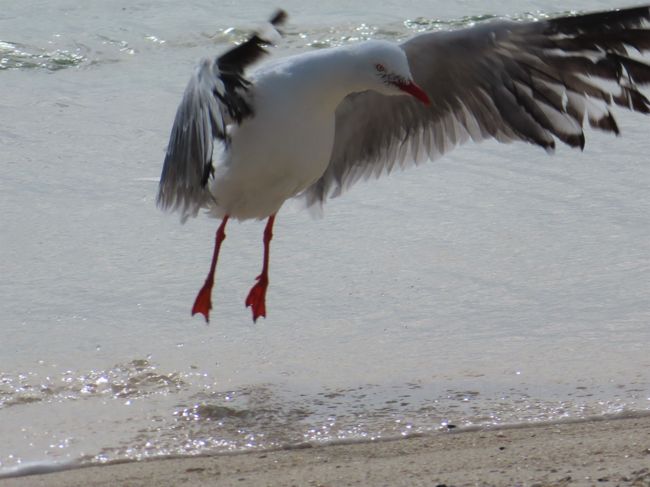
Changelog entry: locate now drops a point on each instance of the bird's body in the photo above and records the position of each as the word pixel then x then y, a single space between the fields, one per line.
pixel 312 124
pixel 254 180
pixel 297 97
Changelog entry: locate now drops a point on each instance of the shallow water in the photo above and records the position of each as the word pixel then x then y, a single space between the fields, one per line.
pixel 496 285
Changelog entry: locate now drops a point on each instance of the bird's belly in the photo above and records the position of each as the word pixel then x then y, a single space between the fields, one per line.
pixel 269 164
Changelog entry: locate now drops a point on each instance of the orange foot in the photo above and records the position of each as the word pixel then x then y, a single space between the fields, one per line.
pixel 203 301
pixel 257 297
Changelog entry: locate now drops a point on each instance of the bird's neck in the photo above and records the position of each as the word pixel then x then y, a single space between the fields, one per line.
pixel 328 76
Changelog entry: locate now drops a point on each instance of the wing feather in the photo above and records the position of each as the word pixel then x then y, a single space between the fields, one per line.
pixel 216 96
pixel 529 81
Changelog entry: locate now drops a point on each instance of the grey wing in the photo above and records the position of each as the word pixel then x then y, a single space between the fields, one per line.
pixel 534 82
pixel 217 95
pixel 201 117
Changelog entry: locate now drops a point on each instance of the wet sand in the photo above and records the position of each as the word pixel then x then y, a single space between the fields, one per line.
pixel 605 452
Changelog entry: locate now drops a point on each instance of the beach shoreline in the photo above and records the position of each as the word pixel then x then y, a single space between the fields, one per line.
pixel 601 451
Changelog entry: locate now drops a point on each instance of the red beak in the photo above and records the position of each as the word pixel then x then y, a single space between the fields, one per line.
pixel 414 90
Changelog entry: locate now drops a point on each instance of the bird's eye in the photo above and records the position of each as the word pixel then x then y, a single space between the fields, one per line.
pixel 380 68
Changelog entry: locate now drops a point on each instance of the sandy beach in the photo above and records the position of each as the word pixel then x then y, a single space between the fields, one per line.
pixel 598 452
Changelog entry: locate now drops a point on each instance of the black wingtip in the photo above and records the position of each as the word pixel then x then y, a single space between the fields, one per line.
pixel 238 58
pixel 582 141
pixel 279 17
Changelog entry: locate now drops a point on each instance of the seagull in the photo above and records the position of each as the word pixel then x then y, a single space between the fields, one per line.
pixel 312 124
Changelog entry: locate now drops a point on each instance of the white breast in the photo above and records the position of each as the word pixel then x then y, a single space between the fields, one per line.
pixel 281 150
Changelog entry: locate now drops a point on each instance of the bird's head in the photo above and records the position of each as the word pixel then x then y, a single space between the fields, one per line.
pixel 387 71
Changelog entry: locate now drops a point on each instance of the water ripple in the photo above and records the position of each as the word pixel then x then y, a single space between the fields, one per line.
pixel 99 48
pixel 14 55
pixel 135 379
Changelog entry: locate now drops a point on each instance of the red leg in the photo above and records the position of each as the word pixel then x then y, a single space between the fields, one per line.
pixel 257 296
pixel 203 301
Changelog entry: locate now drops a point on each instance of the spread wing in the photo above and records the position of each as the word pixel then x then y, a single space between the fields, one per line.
pixel 216 96
pixel 537 82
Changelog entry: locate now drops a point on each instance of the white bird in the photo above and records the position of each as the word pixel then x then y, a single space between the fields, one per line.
pixel 310 125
